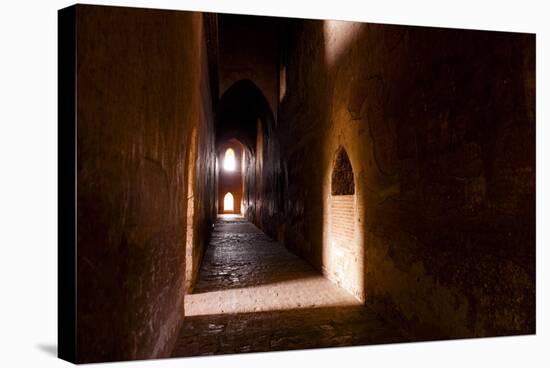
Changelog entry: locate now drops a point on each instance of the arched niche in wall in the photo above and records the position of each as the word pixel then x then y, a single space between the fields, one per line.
pixel 342 182
pixel 343 266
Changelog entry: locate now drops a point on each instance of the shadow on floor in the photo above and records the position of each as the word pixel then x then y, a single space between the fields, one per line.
pixel 305 328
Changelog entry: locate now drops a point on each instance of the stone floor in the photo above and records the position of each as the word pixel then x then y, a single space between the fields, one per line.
pixel 254 295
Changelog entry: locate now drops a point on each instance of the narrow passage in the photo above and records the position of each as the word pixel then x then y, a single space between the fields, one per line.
pixel 254 295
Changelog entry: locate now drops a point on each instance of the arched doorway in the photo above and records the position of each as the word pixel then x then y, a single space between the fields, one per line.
pixel 244 115
pixel 228 203
pixel 230 179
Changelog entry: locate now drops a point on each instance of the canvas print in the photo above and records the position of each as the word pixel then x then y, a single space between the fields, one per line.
pixel 232 183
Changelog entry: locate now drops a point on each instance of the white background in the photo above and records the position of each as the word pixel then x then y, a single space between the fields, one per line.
pixel 28 182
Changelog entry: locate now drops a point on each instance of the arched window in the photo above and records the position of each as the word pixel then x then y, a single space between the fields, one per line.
pixel 229 160
pixel 342 175
pixel 228 205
